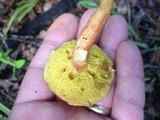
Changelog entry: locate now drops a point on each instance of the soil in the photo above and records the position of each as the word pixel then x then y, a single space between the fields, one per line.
pixel 143 16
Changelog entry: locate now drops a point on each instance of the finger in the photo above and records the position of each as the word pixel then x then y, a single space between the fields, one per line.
pixel 84 19
pixel 129 95
pixel 33 86
pixel 114 32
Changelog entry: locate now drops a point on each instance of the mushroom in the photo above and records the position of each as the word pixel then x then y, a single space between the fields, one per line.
pixel 80 73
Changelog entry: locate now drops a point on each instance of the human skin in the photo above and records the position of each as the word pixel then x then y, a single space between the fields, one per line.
pixel 126 97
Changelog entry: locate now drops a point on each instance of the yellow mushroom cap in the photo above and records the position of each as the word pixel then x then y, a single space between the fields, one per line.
pixel 79 88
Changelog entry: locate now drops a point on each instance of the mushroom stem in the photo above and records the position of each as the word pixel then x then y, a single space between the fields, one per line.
pixel 89 34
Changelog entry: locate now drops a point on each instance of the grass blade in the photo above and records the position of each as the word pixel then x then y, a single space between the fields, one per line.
pixel 154 38
pixel 2 118
pixel 13 17
pixel 21 3
pixel 133 32
pixel 21 12
pixel 4 109
pixel 29 7
pixel 151 49
pixel 140 44
pixel 7 53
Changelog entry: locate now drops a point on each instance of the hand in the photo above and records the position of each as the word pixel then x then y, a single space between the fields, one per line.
pixel 126 96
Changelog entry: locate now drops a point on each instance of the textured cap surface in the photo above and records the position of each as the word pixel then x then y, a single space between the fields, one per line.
pixel 79 88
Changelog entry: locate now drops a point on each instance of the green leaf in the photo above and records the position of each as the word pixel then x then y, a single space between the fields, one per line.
pixel 19 63
pixel 88 4
pixel 8 62
pixel 2 118
pixel 5 54
pixel 4 109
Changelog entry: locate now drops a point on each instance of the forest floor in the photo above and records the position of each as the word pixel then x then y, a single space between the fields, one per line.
pixel 143 17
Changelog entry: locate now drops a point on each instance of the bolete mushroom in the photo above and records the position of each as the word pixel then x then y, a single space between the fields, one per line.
pixel 80 73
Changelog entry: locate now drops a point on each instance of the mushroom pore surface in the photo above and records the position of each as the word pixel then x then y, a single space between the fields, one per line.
pixel 83 88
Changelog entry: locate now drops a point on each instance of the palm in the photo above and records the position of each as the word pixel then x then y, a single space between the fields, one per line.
pixel 56 110
pixel 126 96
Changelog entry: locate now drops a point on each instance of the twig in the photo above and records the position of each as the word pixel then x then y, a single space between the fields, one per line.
pixel 149 17
pixel 7 96
pixel 129 11
pixel 24 39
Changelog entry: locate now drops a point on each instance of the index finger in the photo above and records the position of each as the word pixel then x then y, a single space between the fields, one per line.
pixel 33 86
